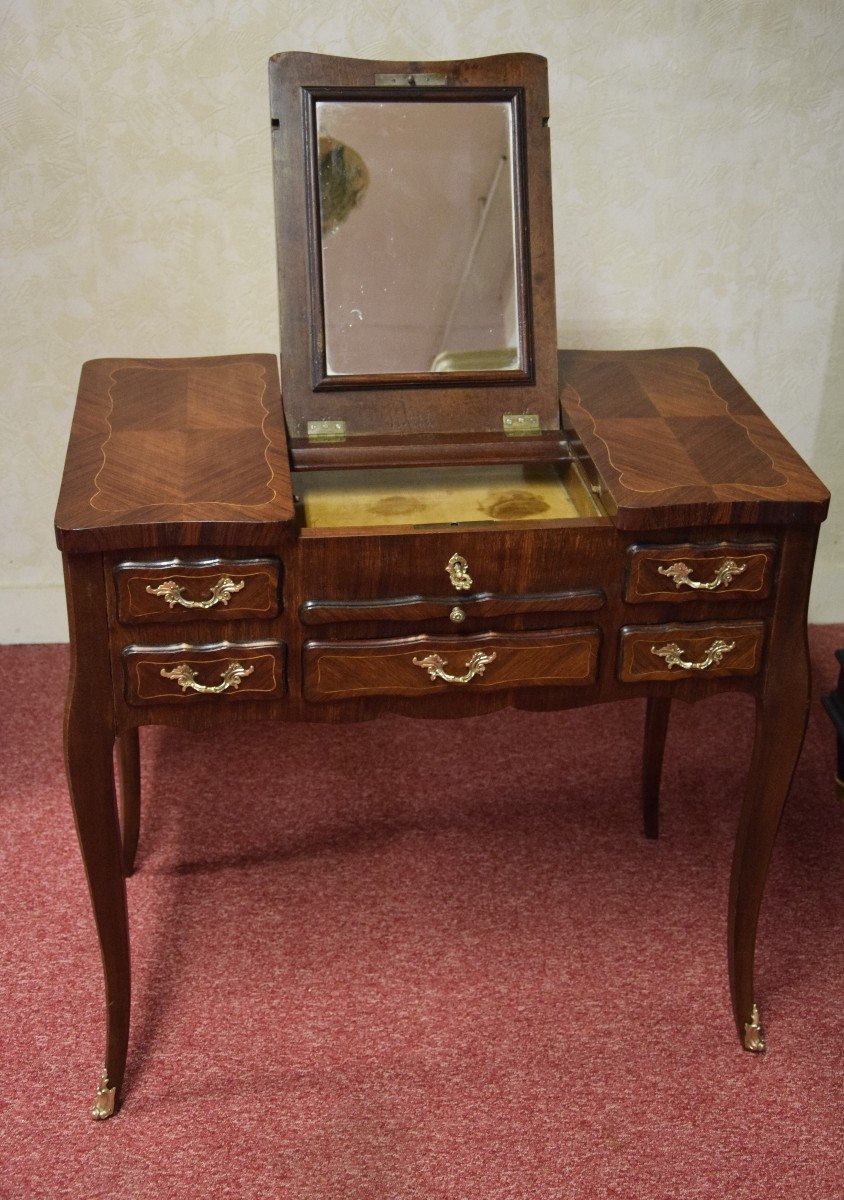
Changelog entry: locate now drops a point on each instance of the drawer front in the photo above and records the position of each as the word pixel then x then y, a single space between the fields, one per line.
pixel 213 590
pixel 678 652
pixel 690 572
pixel 424 666
pixel 424 608
pixel 571 566
pixel 227 672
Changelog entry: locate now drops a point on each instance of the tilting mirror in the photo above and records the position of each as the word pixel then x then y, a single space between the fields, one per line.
pixel 423 195
pixel 416 269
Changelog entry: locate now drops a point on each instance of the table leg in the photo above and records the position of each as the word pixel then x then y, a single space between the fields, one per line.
pixel 656 727
pixel 834 705
pixel 89 745
pixel 782 712
pixel 129 768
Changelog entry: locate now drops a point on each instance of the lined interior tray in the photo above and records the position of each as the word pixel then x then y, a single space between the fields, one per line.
pixel 442 495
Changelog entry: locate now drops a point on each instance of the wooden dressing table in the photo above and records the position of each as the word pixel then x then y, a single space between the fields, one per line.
pixel 648 534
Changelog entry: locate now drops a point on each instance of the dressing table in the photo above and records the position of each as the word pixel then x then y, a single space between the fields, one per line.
pixel 447 516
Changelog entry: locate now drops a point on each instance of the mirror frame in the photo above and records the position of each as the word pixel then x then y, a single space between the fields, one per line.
pixel 415 403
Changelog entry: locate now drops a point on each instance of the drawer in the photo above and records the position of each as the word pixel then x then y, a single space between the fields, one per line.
pixel 212 590
pixel 425 608
pixel 690 572
pixel 678 652
pixel 420 666
pixel 572 567
pixel 182 674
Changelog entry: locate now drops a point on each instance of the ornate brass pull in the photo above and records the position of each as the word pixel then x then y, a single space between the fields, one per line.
pixel 673 655
pixel 435 666
pixel 681 573
pixel 185 676
pixel 221 593
pixel 458 572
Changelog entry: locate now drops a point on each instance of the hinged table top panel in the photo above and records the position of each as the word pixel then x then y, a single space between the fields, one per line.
pixel 176 452
pixel 181 452
pixel 678 441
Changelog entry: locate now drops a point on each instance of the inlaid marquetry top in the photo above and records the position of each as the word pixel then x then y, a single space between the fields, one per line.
pixel 176 452
pixel 678 441
pixel 192 452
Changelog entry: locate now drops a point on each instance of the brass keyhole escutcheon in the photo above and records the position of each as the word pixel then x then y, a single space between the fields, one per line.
pixel 457 615
pixel 458 572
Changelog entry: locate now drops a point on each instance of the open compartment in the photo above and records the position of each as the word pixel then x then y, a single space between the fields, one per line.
pixel 443 495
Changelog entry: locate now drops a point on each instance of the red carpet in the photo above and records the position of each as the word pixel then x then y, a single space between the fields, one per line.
pixel 423 960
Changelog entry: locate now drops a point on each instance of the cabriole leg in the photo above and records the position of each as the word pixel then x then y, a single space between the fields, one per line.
pixel 776 748
pixel 89 745
pixel 782 712
pixel 129 769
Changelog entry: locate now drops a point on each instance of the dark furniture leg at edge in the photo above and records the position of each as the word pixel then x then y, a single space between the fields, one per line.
pixel 834 705
pixel 656 728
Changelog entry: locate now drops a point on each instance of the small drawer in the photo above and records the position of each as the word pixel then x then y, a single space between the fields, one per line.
pixel 183 674
pixel 424 666
pixel 678 652
pixel 694 572
pixel 213 590
pixel 424 608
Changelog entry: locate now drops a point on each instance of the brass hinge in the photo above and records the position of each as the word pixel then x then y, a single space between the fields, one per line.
pixel 520 424
pixel 420 79
pixel 326 431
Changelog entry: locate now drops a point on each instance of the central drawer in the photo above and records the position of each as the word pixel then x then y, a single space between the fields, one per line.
pixel 423 665
pixel 385 577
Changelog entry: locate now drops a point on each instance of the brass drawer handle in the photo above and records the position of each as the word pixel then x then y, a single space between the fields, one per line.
pixel 673 655
pixel 221 593
pixel 435 666
pixel 458 572
pixel 185 676
pixel 681 573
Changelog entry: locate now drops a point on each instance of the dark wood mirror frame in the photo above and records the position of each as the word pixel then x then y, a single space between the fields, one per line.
pixel 424 403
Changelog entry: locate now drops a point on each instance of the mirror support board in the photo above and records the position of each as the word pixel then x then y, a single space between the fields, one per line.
pixel 486 282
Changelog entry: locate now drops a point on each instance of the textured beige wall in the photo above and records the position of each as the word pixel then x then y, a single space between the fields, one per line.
pixel 697 199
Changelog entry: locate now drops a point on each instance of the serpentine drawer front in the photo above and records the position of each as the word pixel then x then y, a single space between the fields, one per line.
pixel 690 572
pixel 425 665
pixel 456 608
pixel 675 652
pixel 213 590
pixel 186 674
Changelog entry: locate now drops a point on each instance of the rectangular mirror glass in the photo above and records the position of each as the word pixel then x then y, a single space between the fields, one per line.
pixel 418 244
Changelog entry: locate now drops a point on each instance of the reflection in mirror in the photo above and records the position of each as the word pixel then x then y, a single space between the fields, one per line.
pixel 418 236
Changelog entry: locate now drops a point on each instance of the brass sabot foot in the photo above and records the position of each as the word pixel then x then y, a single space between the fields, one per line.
pixel 104 1101
pixel 754 1038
